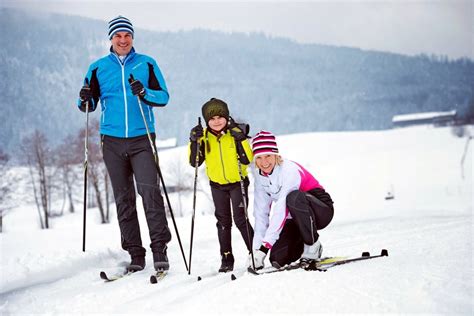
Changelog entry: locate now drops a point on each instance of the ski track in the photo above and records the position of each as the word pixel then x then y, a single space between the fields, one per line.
pixel 380 285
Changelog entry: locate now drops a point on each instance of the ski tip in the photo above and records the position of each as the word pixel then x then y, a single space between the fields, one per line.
pixel 199 278
pixel 384 253
pixel 232 277
pixel 249 269
pixel 366 254
pixel 103 275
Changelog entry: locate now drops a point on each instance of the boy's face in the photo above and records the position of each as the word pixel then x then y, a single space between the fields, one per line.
pixel 217 123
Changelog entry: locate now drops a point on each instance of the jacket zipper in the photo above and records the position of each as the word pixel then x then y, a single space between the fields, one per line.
pixel 222 161
pixel 124 92
pixel 125 99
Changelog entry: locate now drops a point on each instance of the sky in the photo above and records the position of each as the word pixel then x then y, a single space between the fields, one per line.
pixel 408 27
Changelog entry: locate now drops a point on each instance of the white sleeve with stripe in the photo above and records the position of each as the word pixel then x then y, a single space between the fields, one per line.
pixel 290 180
pixel 261 213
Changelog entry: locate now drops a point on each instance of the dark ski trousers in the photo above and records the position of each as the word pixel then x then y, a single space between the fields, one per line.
pixel 309 214
pixel 124 159
pixel 223 196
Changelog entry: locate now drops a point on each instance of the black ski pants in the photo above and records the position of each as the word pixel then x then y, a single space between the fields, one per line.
pixel 126 158
pixel 223 196
pixel 309 214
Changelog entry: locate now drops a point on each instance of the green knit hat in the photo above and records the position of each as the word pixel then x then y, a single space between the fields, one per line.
pixel 215 107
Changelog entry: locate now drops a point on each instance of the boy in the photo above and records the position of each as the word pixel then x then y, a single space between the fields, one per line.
pixel 227 153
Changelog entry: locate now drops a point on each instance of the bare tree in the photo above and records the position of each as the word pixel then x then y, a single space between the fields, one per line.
pixel 6 183
pixel 182 175
pixel 182 180
pixel 97 171
pixel 38 157
pixel 66 162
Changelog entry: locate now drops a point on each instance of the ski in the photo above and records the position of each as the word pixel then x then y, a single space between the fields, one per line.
pixel 158 276
pixel 233 276
pixel 114 277
pixel 122 272
pixel 324 266
pixel 321 265
pixel 207 275
pixel 293 266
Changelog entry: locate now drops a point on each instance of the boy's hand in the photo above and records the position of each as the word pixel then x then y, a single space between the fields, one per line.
pixel 196 133
pixel 237 134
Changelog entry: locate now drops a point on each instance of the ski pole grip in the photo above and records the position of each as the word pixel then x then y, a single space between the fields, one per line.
pixel 131 79
pixel 87 81
pixel 199 121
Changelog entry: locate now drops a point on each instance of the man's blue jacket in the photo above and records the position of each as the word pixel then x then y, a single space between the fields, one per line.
pixel 108 78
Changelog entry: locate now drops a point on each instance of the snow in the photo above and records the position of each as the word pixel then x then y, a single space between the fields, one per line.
pixel 166 143
pixel 427 229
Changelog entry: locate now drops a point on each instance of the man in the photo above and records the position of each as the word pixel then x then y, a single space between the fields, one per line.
pixel 125 145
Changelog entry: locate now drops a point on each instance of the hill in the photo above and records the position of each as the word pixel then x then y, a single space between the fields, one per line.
pixel 271 83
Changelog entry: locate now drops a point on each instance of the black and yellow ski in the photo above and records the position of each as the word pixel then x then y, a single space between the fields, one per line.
pixel 320 265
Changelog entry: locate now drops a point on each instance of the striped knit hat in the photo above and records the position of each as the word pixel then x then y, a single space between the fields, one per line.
pixel 120 24
pixel 264 143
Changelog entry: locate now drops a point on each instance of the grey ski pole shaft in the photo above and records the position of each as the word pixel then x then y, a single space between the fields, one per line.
pixel 244 198
pixel 86 162
pixel 194 199
pixel 155 154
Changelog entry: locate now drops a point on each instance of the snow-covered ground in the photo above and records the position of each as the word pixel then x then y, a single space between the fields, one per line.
pixel 427 229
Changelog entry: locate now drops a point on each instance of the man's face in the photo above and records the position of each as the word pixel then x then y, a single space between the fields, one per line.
pixel 122 43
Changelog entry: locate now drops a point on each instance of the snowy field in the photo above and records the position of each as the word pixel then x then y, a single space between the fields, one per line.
pixel 427 229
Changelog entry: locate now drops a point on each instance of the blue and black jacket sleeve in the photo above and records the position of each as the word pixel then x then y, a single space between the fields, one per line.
pixel 91 78
pixel 156 90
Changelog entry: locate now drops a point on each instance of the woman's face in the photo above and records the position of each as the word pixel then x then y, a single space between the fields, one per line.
pixel 217 123
pixel 266 163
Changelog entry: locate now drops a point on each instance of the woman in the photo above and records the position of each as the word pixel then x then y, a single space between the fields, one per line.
pixel 300 207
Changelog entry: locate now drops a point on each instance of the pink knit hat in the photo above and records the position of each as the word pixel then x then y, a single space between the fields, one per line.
pixel 264 143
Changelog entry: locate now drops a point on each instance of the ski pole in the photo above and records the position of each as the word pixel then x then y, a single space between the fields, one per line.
pixel 196 166
pixel 155 155
pixel 244 198
pixel 86 158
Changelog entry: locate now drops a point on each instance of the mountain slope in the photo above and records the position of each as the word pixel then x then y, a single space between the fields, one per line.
pixel 272 83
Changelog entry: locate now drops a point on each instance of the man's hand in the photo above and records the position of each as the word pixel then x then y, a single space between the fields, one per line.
pixel 137 88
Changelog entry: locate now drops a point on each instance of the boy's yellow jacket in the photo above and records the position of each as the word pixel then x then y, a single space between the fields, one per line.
pixel 220 155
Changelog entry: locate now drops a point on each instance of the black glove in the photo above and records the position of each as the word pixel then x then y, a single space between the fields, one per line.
pixel 196 133
pixel 137 88
pixel 237 134
pixel 85 94
pixel 86 98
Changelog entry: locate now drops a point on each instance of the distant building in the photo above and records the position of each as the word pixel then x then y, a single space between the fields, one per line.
pixel 431 118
